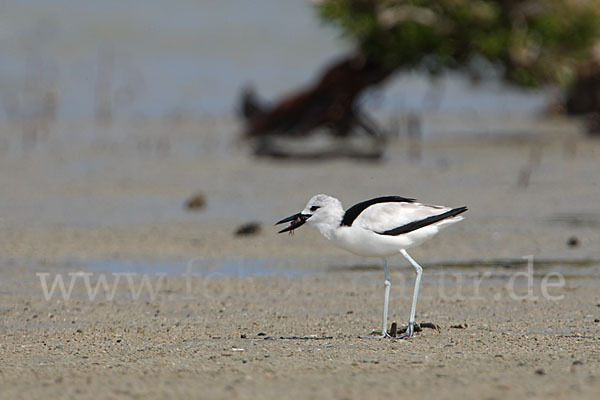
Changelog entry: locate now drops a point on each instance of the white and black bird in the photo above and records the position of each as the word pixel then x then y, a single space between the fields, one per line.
pixel 380 227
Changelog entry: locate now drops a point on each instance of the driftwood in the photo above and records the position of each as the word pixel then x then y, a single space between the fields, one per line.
pixel 331 103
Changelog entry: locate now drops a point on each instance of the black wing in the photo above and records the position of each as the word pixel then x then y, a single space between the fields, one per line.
pixel 413 226
pixel 353 212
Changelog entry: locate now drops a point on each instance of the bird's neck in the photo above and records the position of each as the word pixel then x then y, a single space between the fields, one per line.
pixel 328 226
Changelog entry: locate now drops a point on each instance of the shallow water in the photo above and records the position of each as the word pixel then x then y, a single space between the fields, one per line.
pixel 225 267
pixel 297 267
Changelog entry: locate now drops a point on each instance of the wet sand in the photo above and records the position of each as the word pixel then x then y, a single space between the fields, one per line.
pixel 295 331
pixel 298 338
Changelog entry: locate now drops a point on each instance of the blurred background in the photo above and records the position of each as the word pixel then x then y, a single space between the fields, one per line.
pixel 123 60
pixel 126 115
pixel 154 60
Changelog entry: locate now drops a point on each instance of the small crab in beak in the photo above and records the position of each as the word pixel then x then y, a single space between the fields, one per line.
pixel 296 221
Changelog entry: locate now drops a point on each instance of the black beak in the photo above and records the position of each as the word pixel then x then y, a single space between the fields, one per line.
pixel 297 221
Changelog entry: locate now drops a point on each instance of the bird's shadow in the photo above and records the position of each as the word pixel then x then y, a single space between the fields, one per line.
pixel 394 331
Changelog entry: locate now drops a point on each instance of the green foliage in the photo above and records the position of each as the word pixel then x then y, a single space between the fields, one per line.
pixel 534 42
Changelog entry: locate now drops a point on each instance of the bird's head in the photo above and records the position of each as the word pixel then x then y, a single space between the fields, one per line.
pixel 320 209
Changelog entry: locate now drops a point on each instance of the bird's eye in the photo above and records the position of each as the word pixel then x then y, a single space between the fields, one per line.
pixel 314 208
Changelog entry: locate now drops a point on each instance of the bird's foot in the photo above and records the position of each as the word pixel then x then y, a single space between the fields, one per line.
pixel 406 332
pixel 409 332
pixel 377 335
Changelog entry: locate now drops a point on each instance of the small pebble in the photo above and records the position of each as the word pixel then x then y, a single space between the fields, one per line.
pixel 540 372
pixel 248 229
pixel 573 241
pixel 196 202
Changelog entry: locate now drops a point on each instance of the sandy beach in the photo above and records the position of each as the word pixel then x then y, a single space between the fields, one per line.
pixel 197 312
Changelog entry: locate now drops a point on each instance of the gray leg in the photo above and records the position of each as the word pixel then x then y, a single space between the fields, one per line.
pixel 388 285
pixel 411 322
